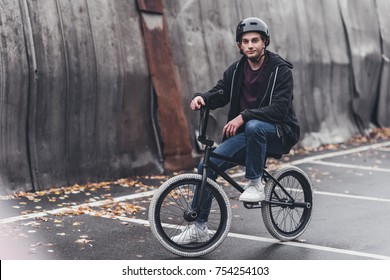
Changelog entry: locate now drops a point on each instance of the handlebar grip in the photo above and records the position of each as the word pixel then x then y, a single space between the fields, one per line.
pixel 204 116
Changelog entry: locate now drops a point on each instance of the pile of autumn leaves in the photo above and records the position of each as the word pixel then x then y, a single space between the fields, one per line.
pixel 93 192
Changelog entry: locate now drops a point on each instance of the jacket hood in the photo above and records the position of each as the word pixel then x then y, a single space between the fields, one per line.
pixel 275 60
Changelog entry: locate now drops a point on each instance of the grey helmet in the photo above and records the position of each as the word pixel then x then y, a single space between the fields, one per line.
pixel 252 24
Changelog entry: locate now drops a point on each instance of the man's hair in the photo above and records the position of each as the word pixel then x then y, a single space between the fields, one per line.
pixel 262 36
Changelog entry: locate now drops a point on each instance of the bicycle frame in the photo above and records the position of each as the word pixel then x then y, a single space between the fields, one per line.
pixel 204 115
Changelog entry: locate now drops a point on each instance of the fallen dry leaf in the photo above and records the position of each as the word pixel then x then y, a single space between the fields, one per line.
pixel 83 241
pixel 41 243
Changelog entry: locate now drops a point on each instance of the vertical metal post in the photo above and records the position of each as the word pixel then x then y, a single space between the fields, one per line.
pixel 174 129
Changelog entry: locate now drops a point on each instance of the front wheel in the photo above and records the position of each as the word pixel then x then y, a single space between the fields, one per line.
pixel 169 215
pixel 287 213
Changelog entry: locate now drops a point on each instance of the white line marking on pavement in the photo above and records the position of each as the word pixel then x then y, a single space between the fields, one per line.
pixel 309 246
pixel 377 199
pixel 274 241
pixel 353 166
pixel 75 207
pixel 340 153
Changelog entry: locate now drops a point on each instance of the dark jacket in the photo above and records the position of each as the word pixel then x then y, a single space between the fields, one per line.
pixel 276 106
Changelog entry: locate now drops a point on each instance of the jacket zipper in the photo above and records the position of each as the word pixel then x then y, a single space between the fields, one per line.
pixel 231 85
pixel 270 99
pixel 272 90
pixel 273 86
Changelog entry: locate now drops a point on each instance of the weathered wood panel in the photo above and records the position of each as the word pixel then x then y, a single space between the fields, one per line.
pixel 14 159
pixel 327 70
pixel 75 94
pixel 383 102
pixel 81 88
pixel 123 121
pixel 362 32
pixel 48 102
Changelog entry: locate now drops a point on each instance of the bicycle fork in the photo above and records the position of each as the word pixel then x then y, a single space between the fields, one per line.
pixel 192 214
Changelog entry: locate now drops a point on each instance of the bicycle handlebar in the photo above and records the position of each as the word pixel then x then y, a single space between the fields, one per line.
pixel 204 117
pixel 203 121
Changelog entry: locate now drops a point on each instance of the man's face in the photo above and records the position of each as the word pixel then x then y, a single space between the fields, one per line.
pixel 252 45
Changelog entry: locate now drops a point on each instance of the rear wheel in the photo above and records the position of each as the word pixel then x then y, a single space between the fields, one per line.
pixel 170 214
pixel 286 216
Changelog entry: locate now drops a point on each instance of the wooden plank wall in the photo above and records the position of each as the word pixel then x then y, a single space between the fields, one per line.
pixel 75 94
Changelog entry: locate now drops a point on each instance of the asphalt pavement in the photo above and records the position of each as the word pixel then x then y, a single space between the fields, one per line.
pixel 108 221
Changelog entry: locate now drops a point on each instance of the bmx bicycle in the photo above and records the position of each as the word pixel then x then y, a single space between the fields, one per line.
pixel 175 206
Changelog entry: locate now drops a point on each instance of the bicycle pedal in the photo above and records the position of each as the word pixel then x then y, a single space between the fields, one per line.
pixel 252 205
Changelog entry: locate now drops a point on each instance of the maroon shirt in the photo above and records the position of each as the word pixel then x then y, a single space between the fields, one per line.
pixel 253 79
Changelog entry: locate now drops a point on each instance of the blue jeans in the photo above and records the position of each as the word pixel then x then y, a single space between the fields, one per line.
pixel 251 147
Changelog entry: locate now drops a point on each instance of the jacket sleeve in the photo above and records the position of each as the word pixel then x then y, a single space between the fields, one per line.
pixel 280 102
pixel 219 95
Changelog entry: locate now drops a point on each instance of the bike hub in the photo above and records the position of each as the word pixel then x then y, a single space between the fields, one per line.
pixel 190 215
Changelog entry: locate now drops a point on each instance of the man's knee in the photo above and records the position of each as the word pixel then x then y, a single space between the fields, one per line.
pixel 254 127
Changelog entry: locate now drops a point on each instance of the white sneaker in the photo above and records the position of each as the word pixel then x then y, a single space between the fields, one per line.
pixel 253 193
pixel 192 234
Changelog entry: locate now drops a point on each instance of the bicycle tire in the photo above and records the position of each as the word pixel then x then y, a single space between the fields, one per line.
pixel 166 214
pixel 283 222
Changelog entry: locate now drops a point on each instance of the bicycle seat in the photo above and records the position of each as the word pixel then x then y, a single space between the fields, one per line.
pixel 275 156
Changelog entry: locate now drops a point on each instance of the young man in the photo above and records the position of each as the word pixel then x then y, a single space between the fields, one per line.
pixel 261 118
